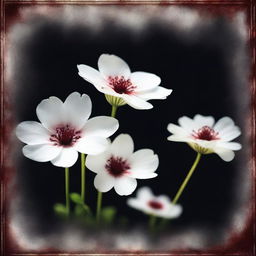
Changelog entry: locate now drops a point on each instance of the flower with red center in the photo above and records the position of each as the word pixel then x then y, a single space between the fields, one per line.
pixel 119 166
pixel 65 130
pixel 116 166
pixel 160 206
pixel 120 86
pixel 205 136
pixel 205 133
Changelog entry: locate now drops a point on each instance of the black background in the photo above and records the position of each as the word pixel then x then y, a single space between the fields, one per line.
pixel 200 73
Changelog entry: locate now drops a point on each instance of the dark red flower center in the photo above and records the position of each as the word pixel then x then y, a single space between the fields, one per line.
pixel 117 166
pixel 121 85
pixel 206 133
pixel 155 205
pixel 65 136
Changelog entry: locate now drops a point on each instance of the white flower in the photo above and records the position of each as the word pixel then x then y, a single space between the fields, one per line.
pixel 120 86
pixel 205 136
pixel 160 206
pixel 64 130
pixel 119 167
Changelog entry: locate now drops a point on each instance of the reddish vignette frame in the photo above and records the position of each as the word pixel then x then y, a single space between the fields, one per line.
pixel 239 244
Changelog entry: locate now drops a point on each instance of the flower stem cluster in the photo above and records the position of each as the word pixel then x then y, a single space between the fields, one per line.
pixel 65 130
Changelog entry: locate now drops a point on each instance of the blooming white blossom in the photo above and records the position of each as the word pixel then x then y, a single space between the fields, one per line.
pixel 160 206
pixel 64 130
pixel 205 136
pixel 119 167
pixel 120 86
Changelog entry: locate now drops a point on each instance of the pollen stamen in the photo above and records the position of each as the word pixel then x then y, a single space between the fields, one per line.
pixel 121 85
pixel 117 166
pixel 205 133
pixel 155 205
pixel 65 136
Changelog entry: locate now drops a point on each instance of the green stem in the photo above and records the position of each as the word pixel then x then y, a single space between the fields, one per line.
pixel 183 185
pixel 152 222
pixel 83 177
pixel 113 111
pixel 99 203
pixel 99 198
pixel 67 190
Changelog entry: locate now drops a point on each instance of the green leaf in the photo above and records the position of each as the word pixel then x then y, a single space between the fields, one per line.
pixel 76 198
pixel 108 214
pixel 87 208
pixel 60 210
pixel 82 210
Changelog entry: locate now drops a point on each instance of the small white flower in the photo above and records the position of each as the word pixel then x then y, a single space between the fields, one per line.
pixel 119 167
pixel 64 130
pixel 205 136
pixel 160 206
pixel 120 86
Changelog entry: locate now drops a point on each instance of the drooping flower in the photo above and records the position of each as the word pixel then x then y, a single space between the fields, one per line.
pixel 119 166
pixel 205 136
pixel 65 130
pixel 120 86
pixel 160 206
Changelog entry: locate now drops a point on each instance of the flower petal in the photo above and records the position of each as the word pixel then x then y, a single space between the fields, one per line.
pixel 92 76
pixel 101 126
pixel 225 154
pixel 32 133
pixel 66 158
pixel 143 175
pixel 203 121
pixel 41 152
pixel 77 109
pixel 177 130
pixel 210 144
pixel 230 145
pixel 143 162
pixel 159 93
pixel 50 112
pixel 91 145
pixel 135 203
pixel 125 185
pixel 230 135
pixel 163 199
pixel 112 65
pixel 172 211
pixel 142 154
pixel 186 123
pixel 179 138
pixel 144 194
pixel 97 163
pixel 104 182
pixel 136 102
pixel 144 81
pixel 223 123
pixel 122 146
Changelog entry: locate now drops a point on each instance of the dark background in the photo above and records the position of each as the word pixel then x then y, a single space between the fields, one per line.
pixel 200 72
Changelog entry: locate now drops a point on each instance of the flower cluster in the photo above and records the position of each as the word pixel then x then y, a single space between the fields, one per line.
pixel 65 130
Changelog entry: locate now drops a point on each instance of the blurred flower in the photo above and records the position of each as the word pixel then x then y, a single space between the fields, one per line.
pixel 64 130
pixel 206 137
pixel 120 86
pixel 159 206
pixel 119 167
